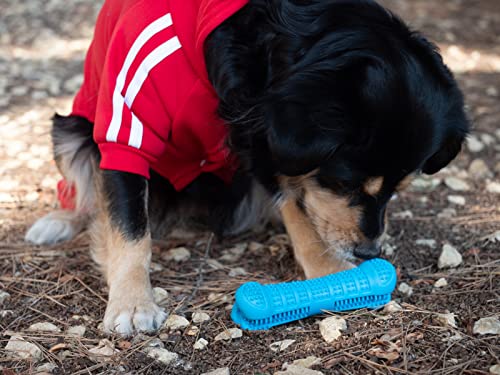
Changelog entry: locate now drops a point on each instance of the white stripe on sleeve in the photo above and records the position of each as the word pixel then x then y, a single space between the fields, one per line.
pixel 136 131
pixel 151 30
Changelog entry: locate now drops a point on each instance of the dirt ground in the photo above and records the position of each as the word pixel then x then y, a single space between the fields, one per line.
pixel 42 45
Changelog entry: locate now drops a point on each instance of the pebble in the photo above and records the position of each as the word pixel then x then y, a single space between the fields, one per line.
pixel 46 368
pixel 43 326
pixel 200 317
pixel 175 322
pixel 330 328
pixel 4 297
pixel 179 254
pixel 163 355
pixel 447 320
pixel 426 242
pixel 307 362
pixel 5 313
pixel 298 370
pixel 392 307
pixel 23 349
pixel 457 184
pixel 279 346
pixel 407 214
pixel 229 334
pixel 235 253
pixel 449 258
pixel 160 296
pixel 441 283
pixel 192 331
pixel 219 371
pixel 487 326
pixel 474 144
pixel 200 344
pixel 105 349
pixel 493 187
pixel 237 271
pixel 479 169
pixel 421 184
pixel 456 199
pixel 255 247
pixel 406 289
pixel 447 213
pixel 388 249
pixel 155 267
pixel 495 369
pixel 76 331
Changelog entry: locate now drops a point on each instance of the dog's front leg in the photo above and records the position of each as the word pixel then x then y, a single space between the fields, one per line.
pixel 122 247
pixel 310 251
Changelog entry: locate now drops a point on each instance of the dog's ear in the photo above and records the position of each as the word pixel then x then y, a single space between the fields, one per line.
pixel 297 141
pixel 450 148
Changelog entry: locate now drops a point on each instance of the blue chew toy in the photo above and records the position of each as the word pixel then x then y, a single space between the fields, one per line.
pixel 260 306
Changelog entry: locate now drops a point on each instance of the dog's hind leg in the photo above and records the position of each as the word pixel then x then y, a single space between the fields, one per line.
pixel 76 156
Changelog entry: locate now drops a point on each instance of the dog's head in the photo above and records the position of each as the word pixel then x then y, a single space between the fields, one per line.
pixel 350 103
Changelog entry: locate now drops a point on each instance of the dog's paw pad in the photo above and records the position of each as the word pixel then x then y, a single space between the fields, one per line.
pixel 141 317
pixel 50 229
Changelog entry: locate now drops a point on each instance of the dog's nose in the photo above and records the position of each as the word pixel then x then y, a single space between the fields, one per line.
pixel 367 251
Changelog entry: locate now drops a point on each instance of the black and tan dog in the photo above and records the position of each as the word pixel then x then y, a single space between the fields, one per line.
pixel 330 108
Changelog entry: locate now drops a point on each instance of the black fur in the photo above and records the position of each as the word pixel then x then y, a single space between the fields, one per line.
pixel 341 87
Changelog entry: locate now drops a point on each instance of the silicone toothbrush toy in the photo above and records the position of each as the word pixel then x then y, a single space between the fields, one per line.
pixel 260 306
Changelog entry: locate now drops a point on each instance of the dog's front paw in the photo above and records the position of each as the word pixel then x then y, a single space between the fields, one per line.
pixel 57 226
pixel 128 316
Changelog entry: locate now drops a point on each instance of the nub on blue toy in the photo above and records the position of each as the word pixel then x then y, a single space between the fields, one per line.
pixel 260 306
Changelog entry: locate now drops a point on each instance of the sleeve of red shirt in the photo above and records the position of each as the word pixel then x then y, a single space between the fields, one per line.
pixel 132 124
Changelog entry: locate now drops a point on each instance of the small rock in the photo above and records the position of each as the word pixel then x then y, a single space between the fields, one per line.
pixel 218 297
pixel 192 331
pixel 479 169
pixel 330 328
pixel 447 213
pixel 307 362
pixel 449 258
pixel 447 320
pixel 215 264
pixel 486 326
pixel 163 355
pixel 298 370
pixel 219 371
pixel 388 249
pixel 76 331
pixel 426 242
pixel 43 326
pixel 200 344
pixel 421 184
pixel 440 283
pixel 237 271
pixel 179 254
pixel 200 317
pixel 229 334
pixel 407 214
pixel 457 184
pixel 23 349
pixel 175 322
pixel 234 254
pixel 474 144
pixel 456 199
pixel 105 349
pixel 255 247
pixel 4 297
pixel 495 369
pixel 155 267
pixel 160 296
pixel 493 187
pixel 392 307
pixel 405 289
pixel 279 346
pixel 6 313
pixel 155 343
pixel 46 368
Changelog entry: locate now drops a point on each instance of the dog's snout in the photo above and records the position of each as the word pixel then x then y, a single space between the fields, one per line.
pixel 367 251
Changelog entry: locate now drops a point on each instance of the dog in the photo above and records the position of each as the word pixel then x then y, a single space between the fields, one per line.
pixel 229 111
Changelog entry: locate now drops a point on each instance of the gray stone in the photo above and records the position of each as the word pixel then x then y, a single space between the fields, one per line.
pixel 487 326
pixel 474 144
pixel 229 334
pixel 4 297
pixel 279 346
pixel 457 184
pixel 406 289
pixel 76 331
pixel 43 326
pixel 200 344
pixel 160 296
pixel 219 371
pixel 440 283
pixel 478 169
pixel 175 322
pixel 200 317
pixel 493 187
pixel 495 369
pixel 456 199
pixel 298 370
pixel 447 320
pixel 23 349
pixel 421 184
pixel 307 362
pixel 449 258
pixel 179 254
pixel 330 328
pixel 392 307
pixel 426 242
pixel 163 355
pixel 237 271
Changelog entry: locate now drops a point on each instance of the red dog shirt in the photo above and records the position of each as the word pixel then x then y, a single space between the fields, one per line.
pixel 146 89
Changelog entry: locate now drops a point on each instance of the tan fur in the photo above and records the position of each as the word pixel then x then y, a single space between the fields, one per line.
pixel 373 185
pixel 310 251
